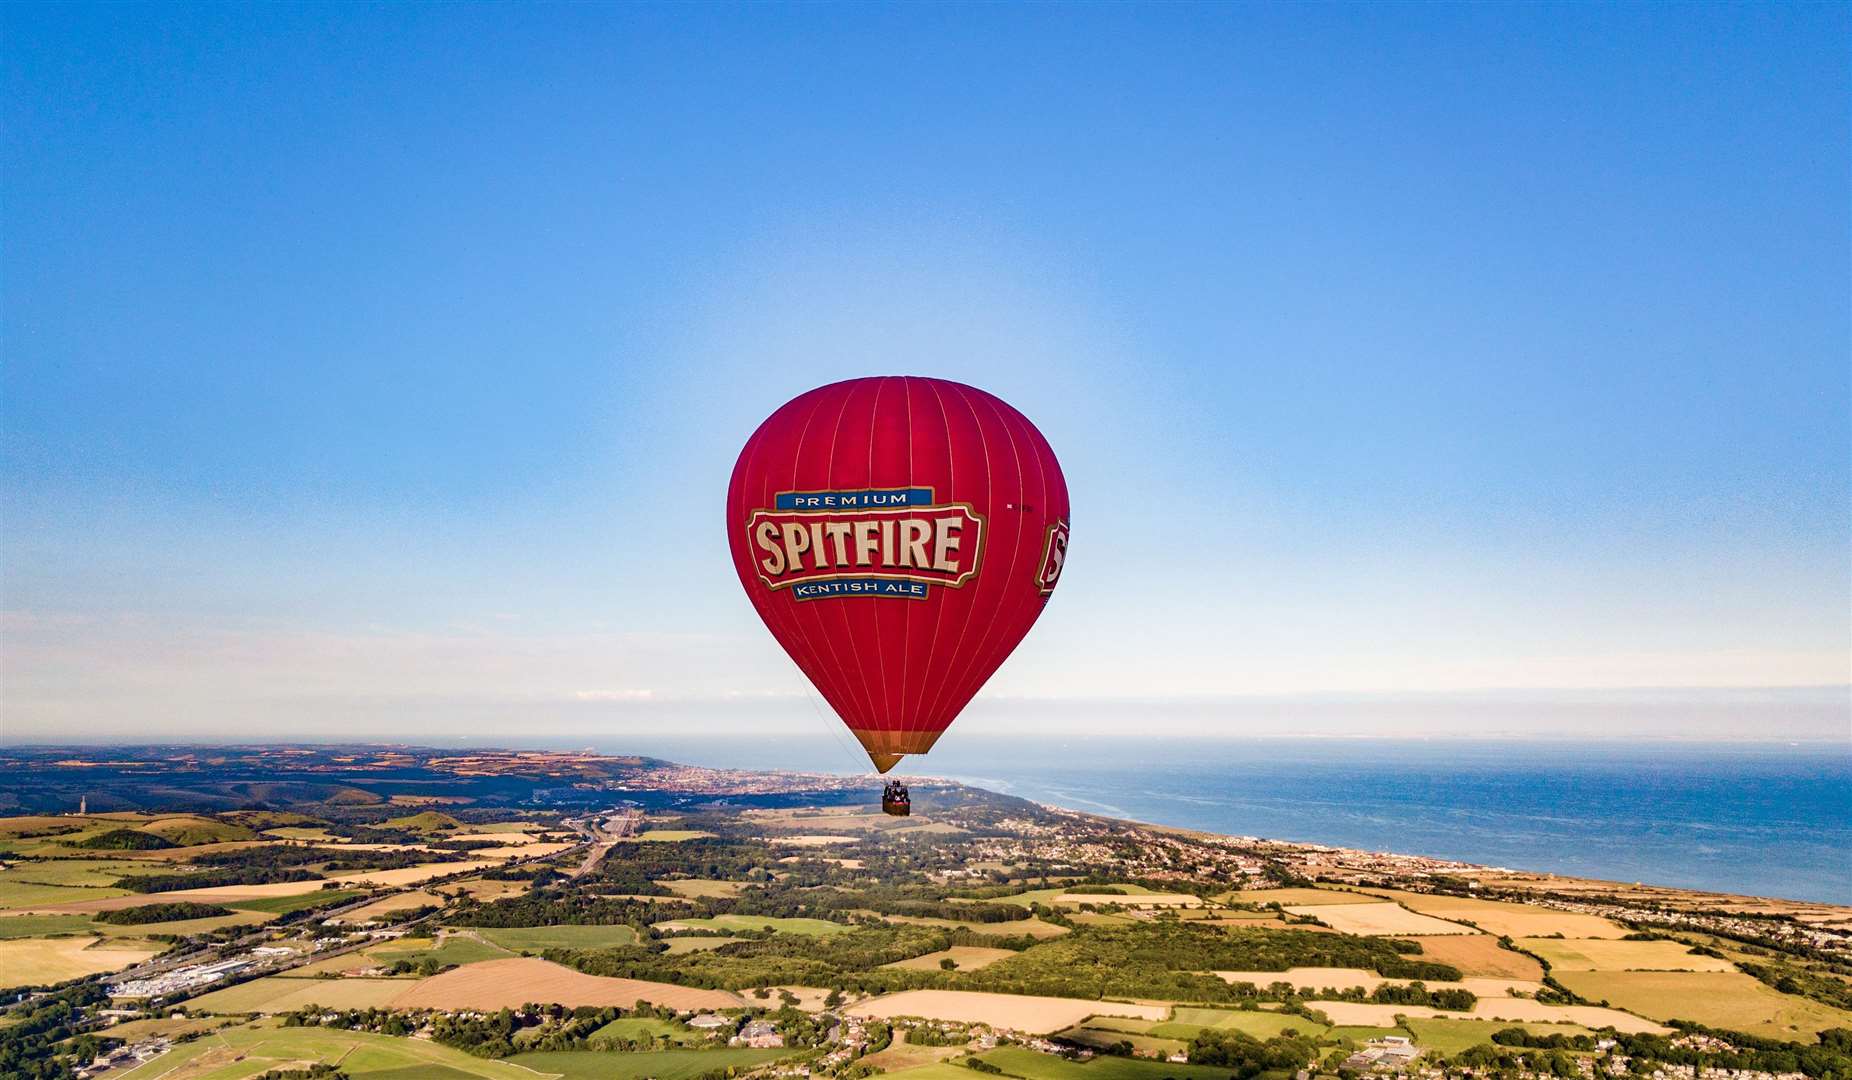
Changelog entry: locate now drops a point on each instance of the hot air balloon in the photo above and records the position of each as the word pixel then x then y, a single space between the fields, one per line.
pixel 898 535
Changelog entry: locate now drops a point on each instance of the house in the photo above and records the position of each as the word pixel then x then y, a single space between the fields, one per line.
pixel 760 1035
pixel 709 1021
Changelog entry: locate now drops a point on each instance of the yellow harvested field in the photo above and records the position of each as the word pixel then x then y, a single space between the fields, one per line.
pixel 676 945
pixel 511 983
pixel 1283 897
pixel 1134 900
pixel 1598 954
pixel 276 994
pixel 396 902
pixel 1509 920
pixel 1724 999
pixel 904 1055
pixel 415 875
pixel 1034 928
pixel 521 851
pixel 1360 1014
pixel 482 889
pixel 345 964
pixel 812 840
pixel 967 957
pixel 703 887
pixel 1481 956
pixel 1017 1012
pixel 37 961
pixel 1377 919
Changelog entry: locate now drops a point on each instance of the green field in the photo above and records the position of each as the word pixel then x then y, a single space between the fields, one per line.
pixel 186 830
pixel 634 1027
pixel 671 835
pixel 1453 1036
pixel 283 905
pixel 1724 999
pixel 757 922
pixel 656 1065
pixel 294 832
pixel 1047 896
pixel 456 949
pixel 30 926
pixel 538 939
pixel 100 872
pixel 187 927
pixel 19 894
pixel 943 1070
pixel 238 1053
pixel 1100 1037
pixel 1185 1022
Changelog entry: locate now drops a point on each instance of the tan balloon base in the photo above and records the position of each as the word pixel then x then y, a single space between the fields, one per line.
pixel 885 748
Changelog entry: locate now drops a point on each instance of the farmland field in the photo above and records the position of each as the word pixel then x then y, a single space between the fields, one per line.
pixel 676 945
pixel 1186 1021
pixel 1034 928
pixel 28 926
pixel 389 905
pixel 1479 955
pixel 904 1055
pixel 1717 998
pixel 92 872
pixel 510 983
pixel 1099 1038
pixel 967 957
pixel 38 961
pixel 632 1027
pixel 1517 1010
pixel 754 922
pixel 657 1065
pixel 282 905
pixel 1064 894
pixel 1512 920
pixel 1596 954
pixel 456 948
pixel 671 835
pixel 1453 1036
pixel 537 939
pixel 245 1051
pixel 1019 1011
pixel 186 927
pixel 1311 978
pixel 21 895
pixel 1287 897
pixel 275 994
pixel 702 887
pixel 1377 919
pixel 1034 1066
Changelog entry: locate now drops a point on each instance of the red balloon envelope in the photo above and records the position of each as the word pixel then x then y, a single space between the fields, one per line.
pixel 899 536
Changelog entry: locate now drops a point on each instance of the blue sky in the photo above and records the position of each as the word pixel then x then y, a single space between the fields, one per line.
pixel 378 369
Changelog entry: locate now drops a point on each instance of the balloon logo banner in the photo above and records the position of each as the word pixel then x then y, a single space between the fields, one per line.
pixel 898 536
pixel 896 543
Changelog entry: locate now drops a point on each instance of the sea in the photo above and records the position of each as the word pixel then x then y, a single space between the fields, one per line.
pixel 1754 818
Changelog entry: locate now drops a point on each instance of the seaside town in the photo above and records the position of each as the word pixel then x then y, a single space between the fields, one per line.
pixel 475 914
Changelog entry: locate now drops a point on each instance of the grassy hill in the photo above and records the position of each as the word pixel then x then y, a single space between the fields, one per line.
pixel 430 821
